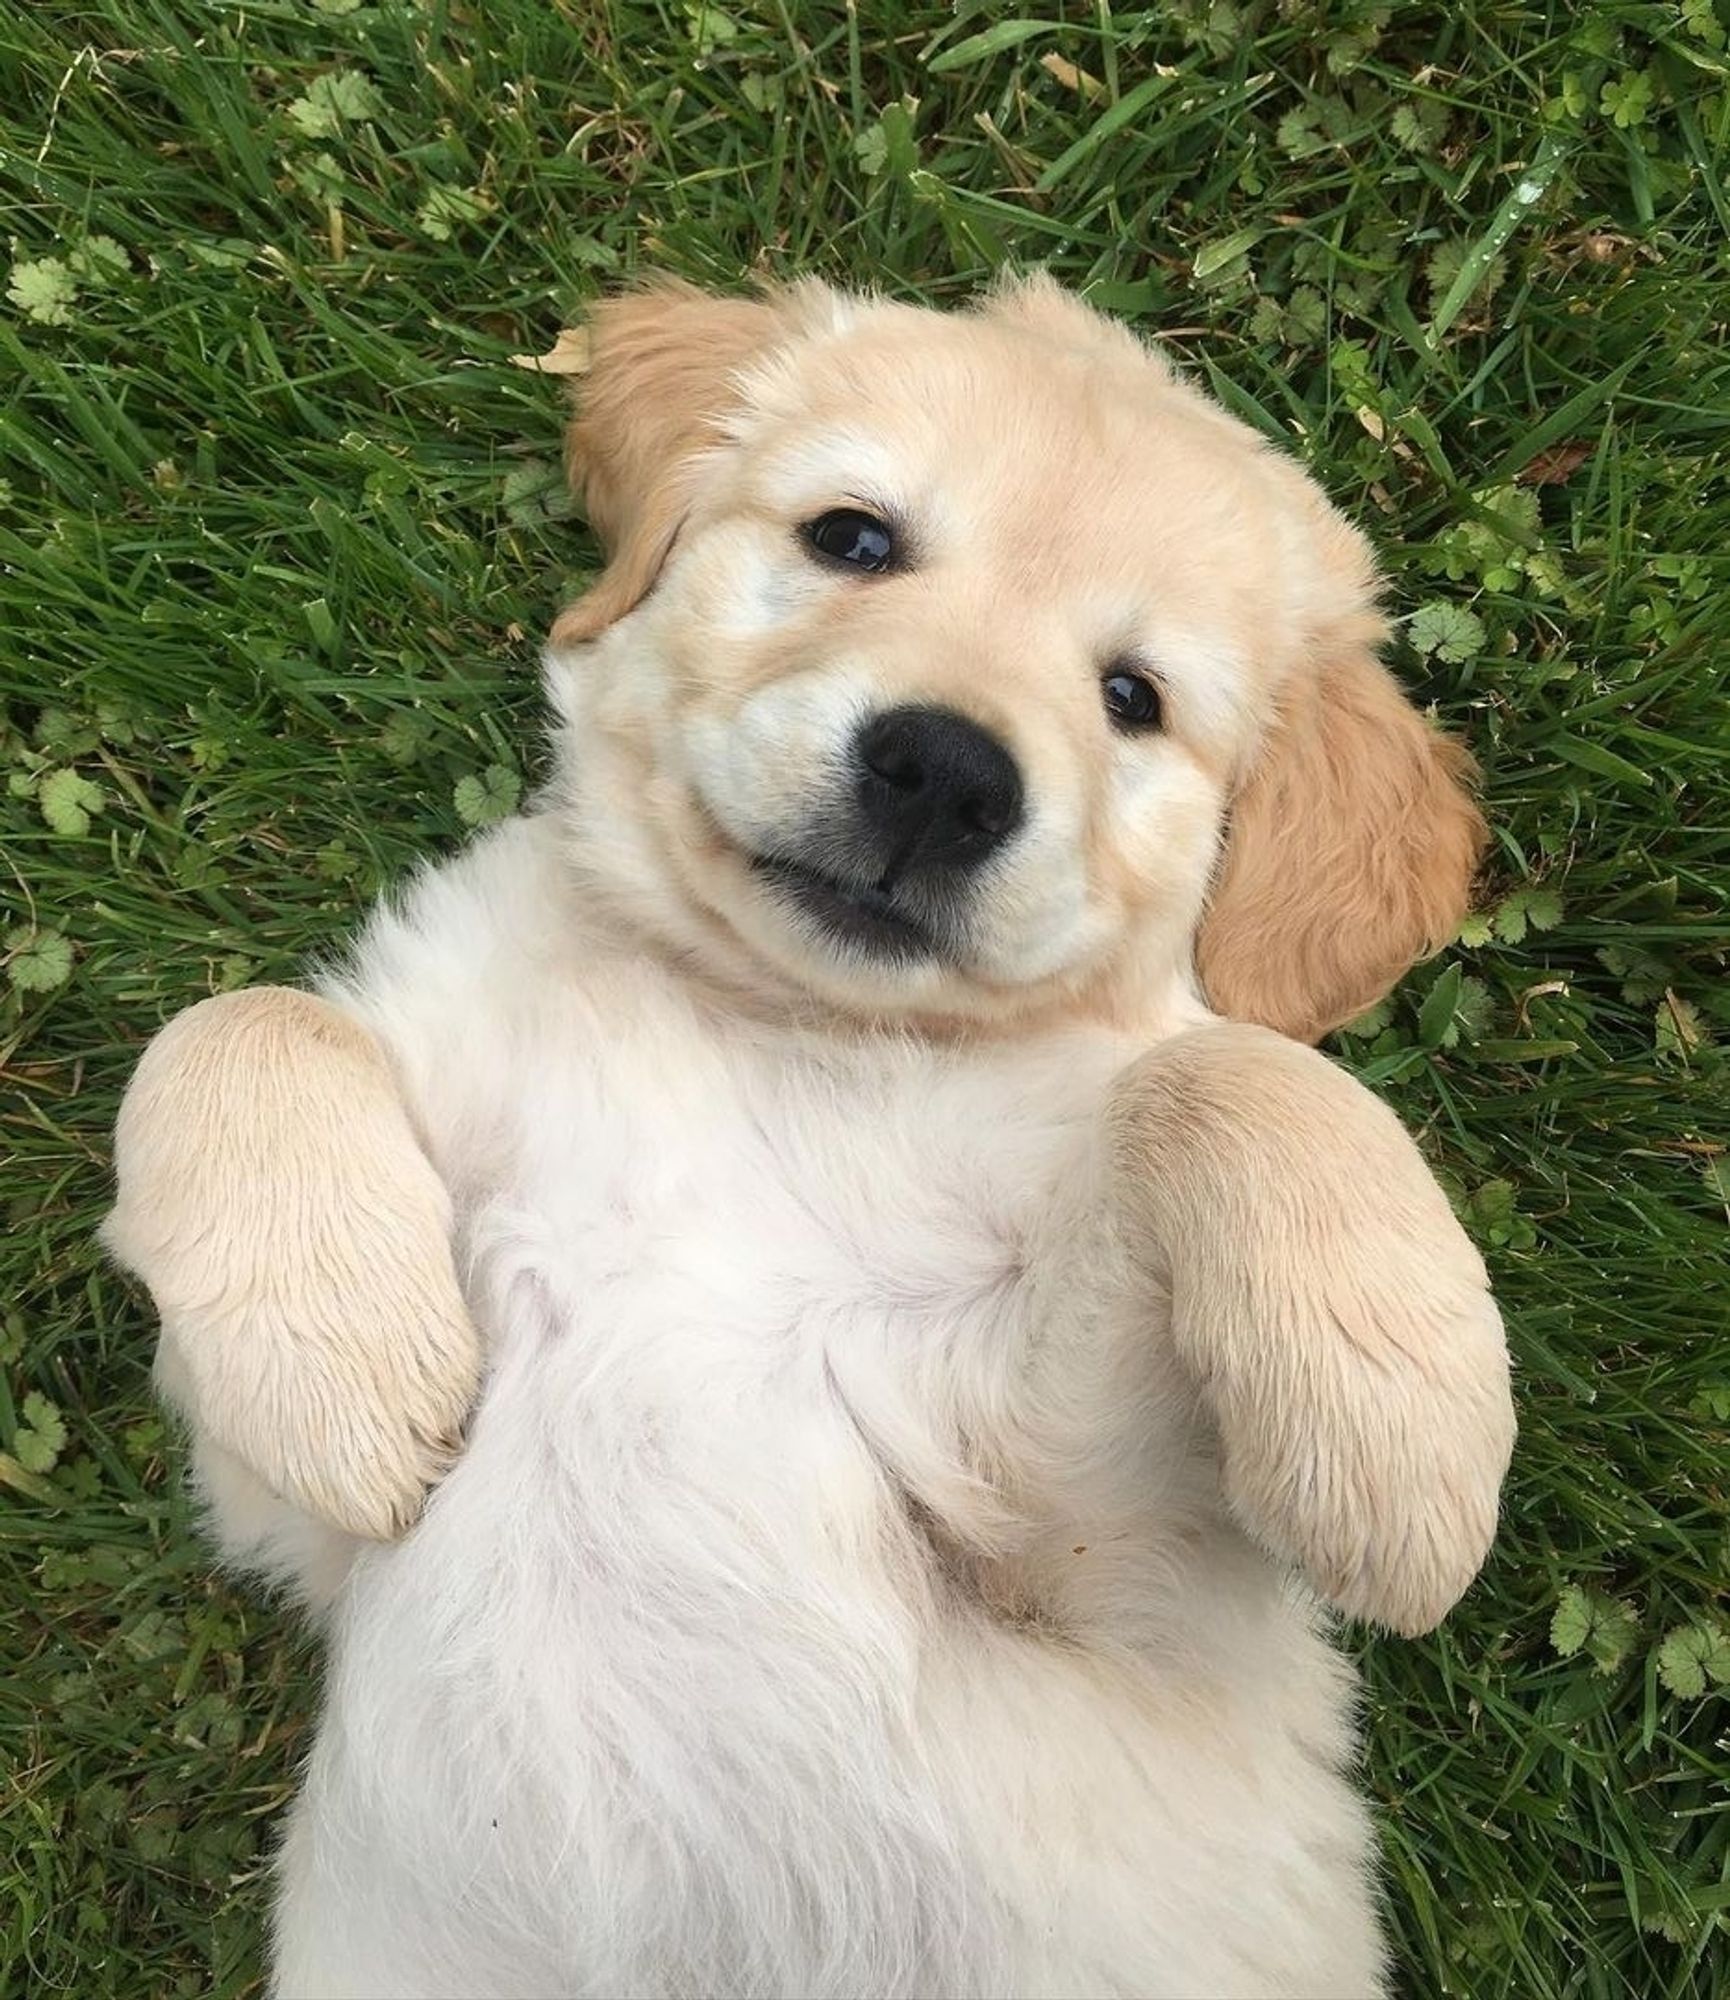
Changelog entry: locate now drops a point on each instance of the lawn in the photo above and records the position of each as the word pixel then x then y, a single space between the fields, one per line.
pixel 280 521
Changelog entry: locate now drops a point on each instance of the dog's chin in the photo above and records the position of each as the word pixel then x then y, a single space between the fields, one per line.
pixel 793 933
pixel 861 923
pixel 798 931
pixel 788 923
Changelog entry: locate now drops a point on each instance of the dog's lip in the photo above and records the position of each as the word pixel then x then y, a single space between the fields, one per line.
pixel 860 913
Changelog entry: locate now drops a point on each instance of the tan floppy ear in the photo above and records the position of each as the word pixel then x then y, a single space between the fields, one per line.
pixel 1349 856
pixel 662 370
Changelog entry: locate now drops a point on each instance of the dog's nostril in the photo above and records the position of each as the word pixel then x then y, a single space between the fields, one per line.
pixel 938 788
pixel 893 760
pixel 990 814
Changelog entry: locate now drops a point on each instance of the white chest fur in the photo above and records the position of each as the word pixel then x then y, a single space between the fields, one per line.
pixel 832 1598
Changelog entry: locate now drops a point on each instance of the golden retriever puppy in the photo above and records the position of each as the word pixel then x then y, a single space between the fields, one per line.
pixel 931 1335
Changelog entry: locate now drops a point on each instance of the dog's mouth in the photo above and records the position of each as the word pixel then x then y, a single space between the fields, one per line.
pixel 862 916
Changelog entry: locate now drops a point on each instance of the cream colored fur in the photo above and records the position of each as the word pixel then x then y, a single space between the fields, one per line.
pixel 273 1197
pixel 917 1400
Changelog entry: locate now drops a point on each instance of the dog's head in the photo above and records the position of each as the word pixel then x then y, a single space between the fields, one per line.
pixel 968 666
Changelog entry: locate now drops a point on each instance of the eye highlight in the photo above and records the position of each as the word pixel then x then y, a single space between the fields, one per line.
pixel 849 535
pixel 1131 699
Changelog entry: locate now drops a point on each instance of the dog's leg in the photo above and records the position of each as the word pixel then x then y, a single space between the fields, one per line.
pixel 1333 1312
pixel 296 1240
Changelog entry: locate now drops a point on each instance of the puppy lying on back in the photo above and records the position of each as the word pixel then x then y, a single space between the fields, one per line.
pixel 933 1330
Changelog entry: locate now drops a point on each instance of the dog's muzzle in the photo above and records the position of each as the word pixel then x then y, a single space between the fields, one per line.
pixel 891 869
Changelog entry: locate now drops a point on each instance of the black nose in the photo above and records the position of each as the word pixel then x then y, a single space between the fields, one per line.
pixel 937 789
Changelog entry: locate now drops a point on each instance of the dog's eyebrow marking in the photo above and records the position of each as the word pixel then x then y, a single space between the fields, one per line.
pixel 1203 674
pixel 809 470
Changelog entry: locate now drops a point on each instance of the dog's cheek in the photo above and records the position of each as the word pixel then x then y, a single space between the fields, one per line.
pixel 766 767
pixel 1158 837
pixel 1034 914
pixel 747 589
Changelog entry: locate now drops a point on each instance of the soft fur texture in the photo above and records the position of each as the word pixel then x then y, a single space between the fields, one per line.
pixel 918 1388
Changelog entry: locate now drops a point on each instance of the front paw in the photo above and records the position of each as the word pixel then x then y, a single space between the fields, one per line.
pixel 296 1241
pixel 1334 1313
pixel 1366 1436
pixel 350 1407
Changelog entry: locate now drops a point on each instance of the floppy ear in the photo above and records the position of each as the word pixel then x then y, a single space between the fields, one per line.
pixel 1349 856
pixel 662 371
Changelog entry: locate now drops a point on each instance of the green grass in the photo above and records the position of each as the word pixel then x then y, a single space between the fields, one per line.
pixel 280 525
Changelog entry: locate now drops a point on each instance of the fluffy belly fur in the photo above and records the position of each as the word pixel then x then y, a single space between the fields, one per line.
pixel 609 1725
pixel 730 1659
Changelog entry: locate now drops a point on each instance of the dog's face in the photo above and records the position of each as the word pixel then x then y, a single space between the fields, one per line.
pixel 937 651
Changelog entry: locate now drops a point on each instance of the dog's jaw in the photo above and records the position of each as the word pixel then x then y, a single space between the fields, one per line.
pixel 854 918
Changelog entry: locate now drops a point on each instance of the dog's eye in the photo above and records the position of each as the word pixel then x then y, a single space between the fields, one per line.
pixel 1131 699
pixel 848 536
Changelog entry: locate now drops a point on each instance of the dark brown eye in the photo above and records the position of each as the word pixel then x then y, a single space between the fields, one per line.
pixel 1131 699
pixel 848 535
